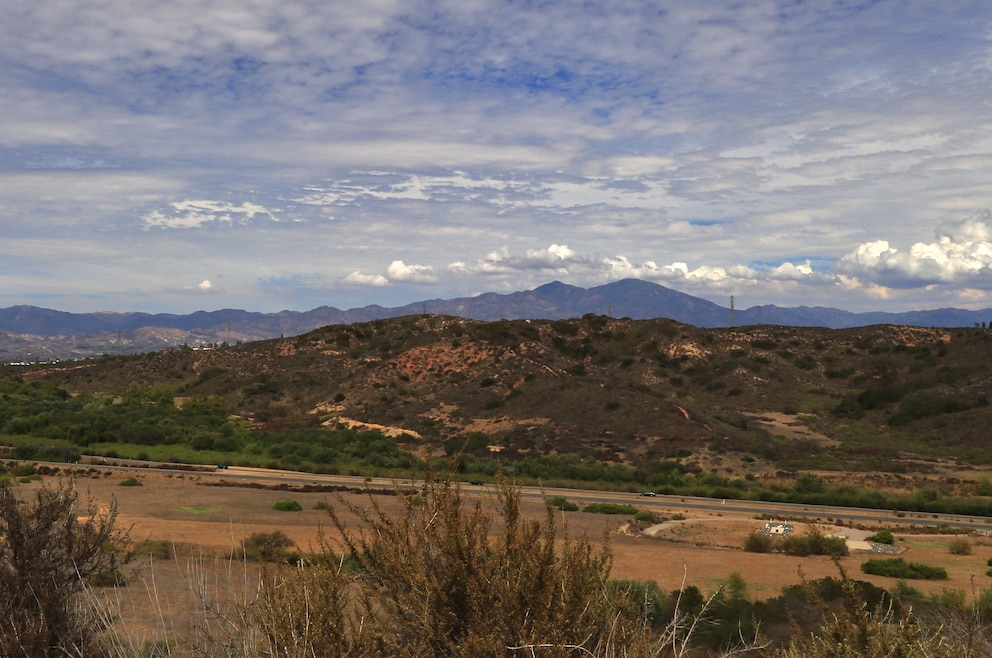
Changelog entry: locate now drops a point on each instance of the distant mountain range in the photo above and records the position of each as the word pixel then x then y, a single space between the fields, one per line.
pixel 30 333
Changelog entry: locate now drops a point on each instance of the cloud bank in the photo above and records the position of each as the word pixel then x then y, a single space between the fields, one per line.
pixel 298 155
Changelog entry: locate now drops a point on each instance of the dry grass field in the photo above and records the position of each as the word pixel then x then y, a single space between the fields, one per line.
pixel 205 524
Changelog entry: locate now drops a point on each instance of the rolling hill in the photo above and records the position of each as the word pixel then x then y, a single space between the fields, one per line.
pixel 756 399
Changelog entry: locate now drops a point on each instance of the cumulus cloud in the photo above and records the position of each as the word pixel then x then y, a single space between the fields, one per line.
pixel 961 254
pixel 556 259
pixel 370 280
pixel 193 290
pixel 400 271
pixel 562 260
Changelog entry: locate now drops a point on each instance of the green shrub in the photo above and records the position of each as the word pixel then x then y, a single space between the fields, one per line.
pixel 926 405
pixel 758 542
pixel 287 505
pixel 645 593
pixel 860 628
pixel 896 567
pixel 130 482
pixel 563 504
pixel 810 483
pixel 470 442
pixel 953 599
pixel 160 549
pixel 108 578
pixel 960 546
pixel 983 604
pixel 268 547
pixel 610 508
pixel 23 470
pixel 647 516
pixel 883 536
pixel 813 543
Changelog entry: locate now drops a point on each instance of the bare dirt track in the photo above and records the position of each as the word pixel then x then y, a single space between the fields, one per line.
pixel 207 523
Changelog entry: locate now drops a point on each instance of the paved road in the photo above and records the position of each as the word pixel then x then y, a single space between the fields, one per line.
pixel 736 507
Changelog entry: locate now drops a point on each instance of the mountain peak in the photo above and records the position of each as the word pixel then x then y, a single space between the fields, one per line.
pixel 555 288
pixel 58 334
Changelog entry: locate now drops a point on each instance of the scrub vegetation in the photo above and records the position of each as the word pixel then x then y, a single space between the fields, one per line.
pixel 446 576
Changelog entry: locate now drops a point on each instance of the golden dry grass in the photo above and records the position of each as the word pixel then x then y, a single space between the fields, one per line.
pixel 206 523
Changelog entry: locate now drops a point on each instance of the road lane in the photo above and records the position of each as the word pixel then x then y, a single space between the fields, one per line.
pixel 776 510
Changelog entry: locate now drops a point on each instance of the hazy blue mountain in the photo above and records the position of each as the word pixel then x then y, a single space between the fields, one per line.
pixel 29 332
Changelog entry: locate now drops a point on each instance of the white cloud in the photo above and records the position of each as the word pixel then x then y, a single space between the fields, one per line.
pixel 962 254
pixel 194 214
pixel 400 271
pixel 371 280
pixel 722 145
pixel 205 285
pixel 561 260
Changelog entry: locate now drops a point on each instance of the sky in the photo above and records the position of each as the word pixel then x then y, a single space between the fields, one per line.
pixel 288 154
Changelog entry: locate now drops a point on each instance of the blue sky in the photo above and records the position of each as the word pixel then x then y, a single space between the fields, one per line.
pixel 284 154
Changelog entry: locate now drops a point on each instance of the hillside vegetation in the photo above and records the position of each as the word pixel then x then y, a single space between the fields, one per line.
pixel 636 404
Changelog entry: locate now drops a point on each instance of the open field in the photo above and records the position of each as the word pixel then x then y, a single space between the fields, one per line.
pixel 205 523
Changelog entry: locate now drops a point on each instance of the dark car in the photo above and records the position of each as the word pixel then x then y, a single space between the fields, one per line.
pixel 477 483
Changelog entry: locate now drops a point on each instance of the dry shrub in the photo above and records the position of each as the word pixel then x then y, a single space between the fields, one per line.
pixel 47 554
pixel 302 611
pixel 448 578
pixel 893 627
pixel 865 633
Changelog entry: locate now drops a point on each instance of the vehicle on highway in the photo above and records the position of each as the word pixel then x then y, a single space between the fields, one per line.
pixel 649 493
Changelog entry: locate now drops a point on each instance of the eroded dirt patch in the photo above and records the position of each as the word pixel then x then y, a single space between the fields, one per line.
pixel 790 426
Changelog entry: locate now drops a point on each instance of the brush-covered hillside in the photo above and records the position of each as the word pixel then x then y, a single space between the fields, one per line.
pixel 882 398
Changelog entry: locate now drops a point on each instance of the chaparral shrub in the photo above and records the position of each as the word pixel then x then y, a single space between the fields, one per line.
pixel 896 567
pixel 50 547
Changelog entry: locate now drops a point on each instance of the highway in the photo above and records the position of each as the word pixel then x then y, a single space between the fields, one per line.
pixel 773 510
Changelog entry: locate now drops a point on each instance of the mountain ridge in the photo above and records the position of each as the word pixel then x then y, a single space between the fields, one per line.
pixel 35 333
